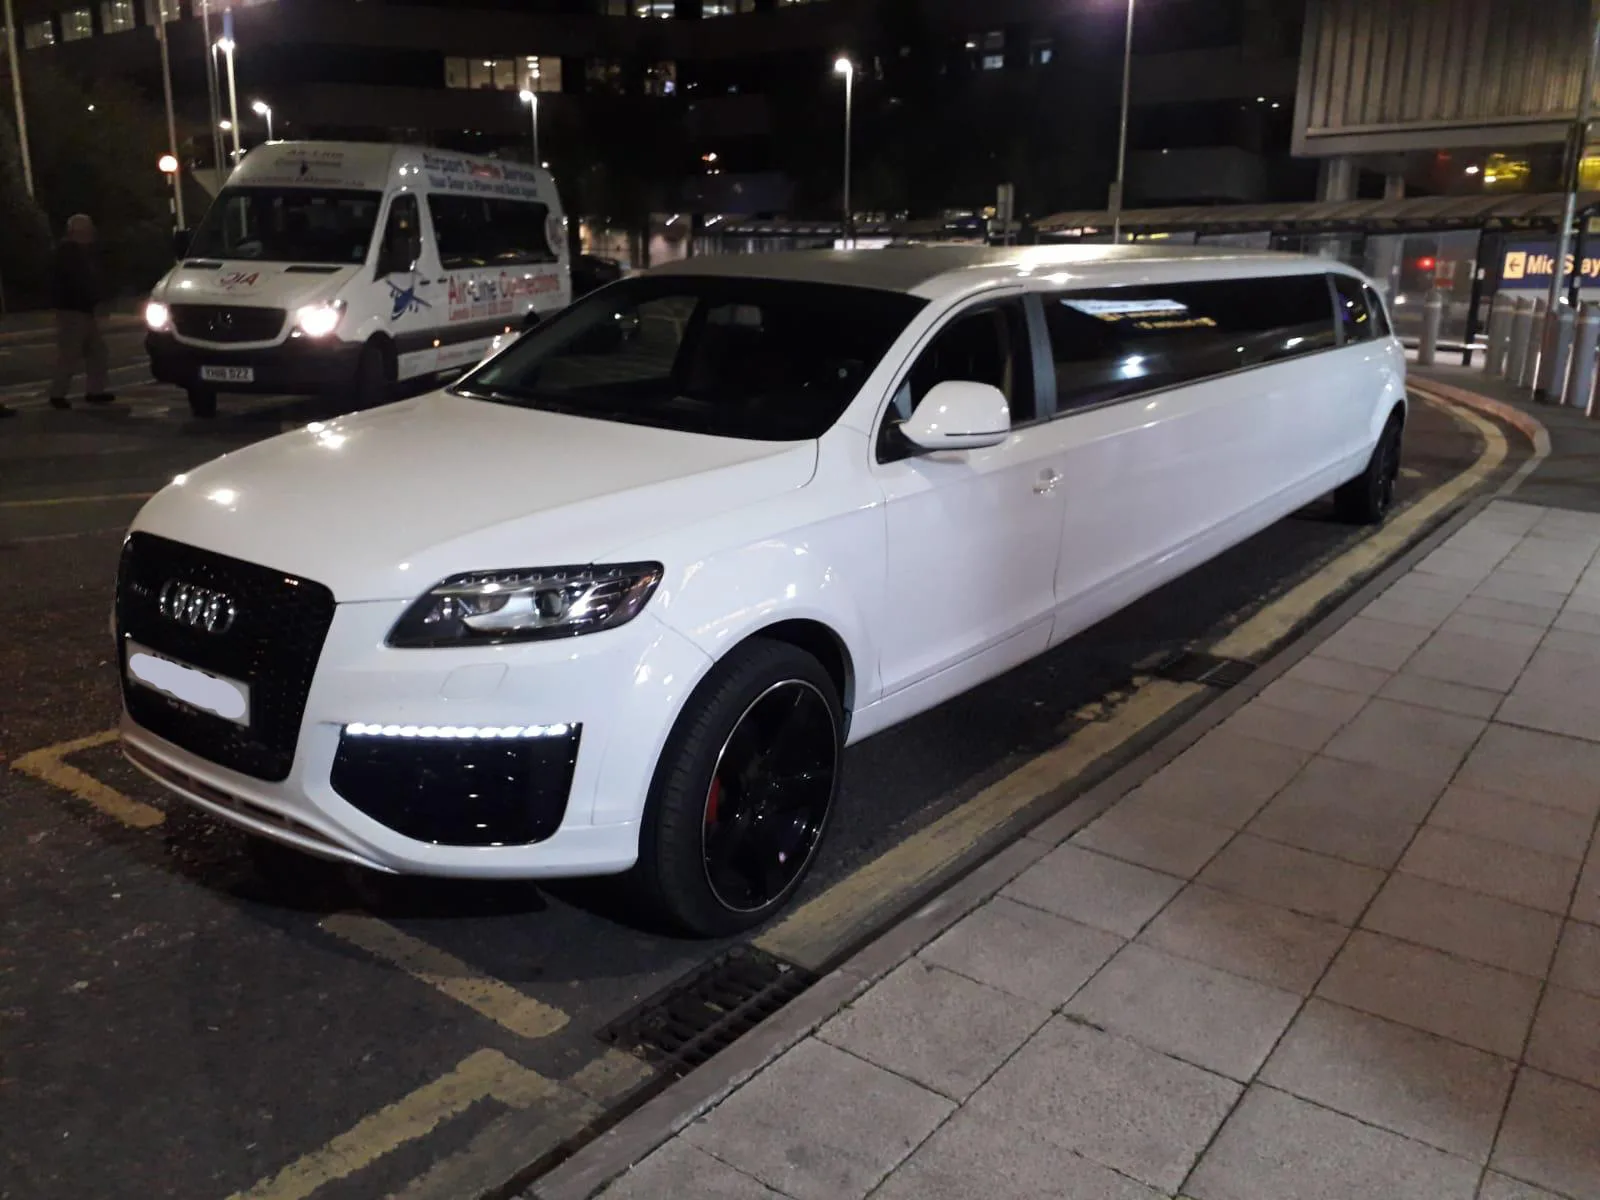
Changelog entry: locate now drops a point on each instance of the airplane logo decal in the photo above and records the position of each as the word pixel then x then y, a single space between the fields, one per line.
pixel 405 301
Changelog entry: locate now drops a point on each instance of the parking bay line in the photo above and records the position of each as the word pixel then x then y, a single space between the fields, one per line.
pixel 482 1075
pixel 818 929
pixel 486 996
pixel 49 766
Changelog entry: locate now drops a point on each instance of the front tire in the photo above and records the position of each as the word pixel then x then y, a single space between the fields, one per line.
pixel 1368 498
pixel 376 371
pixel 202 403
pixel 742 792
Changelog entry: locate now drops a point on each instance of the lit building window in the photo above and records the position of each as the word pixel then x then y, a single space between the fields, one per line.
pixel 1042 52
pixel 161 11
pixel 655 8
pixel 726 8
pixel 76 24
pixel 539 73
pixel 993 62
pixel 661 79
pixel 38 33
pixel 116 16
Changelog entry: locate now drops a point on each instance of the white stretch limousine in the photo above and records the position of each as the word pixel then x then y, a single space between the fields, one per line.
pixel 619 598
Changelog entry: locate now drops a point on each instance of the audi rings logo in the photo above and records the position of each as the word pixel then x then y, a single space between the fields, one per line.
pixel 197 607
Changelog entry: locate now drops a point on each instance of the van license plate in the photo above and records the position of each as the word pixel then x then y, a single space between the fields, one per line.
pixel 228 374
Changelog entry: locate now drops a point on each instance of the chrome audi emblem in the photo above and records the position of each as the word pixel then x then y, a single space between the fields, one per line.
pixel 197 607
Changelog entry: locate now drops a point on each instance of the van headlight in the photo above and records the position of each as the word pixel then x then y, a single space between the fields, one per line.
pixel 486 608
pixel 319 320
pixel 157 316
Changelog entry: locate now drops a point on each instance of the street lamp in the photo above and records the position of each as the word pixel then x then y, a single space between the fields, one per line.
pixel 262 109
pixel 531 99
pixel 843 66
pixel 1122 134
pixel 226 45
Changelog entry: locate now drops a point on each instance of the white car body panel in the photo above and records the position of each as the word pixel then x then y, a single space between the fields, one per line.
pixel 931 573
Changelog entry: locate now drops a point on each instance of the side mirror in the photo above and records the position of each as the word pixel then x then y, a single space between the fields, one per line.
pixel 959 415
pixel 181 238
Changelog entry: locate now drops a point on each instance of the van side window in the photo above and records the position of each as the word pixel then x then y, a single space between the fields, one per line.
pixel 1355 321
pixel 1117 342
pixel 475 231
pixel 1380 315
pixel 986 345
pixel 402 237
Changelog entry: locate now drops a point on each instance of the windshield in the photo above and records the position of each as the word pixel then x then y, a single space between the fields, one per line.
pixel 746 358
pixel 298 225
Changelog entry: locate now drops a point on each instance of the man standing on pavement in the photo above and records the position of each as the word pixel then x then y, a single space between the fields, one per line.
pixel 79 293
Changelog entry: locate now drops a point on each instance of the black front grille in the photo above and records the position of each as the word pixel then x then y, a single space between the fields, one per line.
pixel 272 645
pixel 460 791
pixel 228 322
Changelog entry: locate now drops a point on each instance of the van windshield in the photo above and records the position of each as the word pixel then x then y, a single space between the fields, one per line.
pixel 286 224
pixel 765 359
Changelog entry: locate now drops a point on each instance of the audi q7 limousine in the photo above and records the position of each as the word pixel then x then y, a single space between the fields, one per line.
pixel 617 600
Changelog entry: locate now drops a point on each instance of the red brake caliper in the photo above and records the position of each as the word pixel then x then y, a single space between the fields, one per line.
pixel 713 799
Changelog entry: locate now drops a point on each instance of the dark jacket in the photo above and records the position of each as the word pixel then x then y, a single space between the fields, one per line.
pixel 78 285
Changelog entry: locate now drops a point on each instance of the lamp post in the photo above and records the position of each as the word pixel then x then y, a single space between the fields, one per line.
pixel 168 165
pixel 227 47
pixel 843 66
pixel 531 99
pixel 1578 141
pixel 262 109
pixel 1122 133
pixel 172 122
pixel 16 96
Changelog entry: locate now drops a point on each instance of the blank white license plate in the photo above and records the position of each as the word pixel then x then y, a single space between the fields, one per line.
pixel 221 697
pixel 228 374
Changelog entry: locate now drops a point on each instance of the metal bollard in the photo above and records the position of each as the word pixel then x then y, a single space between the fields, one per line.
pixel 1432 318
pixel 1499 335
pixel 1580 394
pixel 1528 376
pixel 1556 358
pixel 1522 327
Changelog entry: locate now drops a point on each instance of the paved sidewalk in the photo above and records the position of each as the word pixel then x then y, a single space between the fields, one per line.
pixel 1346 947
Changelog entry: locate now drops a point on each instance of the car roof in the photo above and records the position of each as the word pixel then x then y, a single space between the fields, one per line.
pixel 934 271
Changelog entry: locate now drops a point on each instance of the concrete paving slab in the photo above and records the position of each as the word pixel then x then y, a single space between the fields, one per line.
pixel 1024 951
pixel 1246 937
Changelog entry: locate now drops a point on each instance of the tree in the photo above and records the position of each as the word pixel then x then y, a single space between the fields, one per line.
pixel 24 231
pixel 94 148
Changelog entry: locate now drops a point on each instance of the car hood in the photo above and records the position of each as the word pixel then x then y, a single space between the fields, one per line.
pixel 382 505
pixel 267 285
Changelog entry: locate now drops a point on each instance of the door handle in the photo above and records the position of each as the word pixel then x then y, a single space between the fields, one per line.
pixel 1048 478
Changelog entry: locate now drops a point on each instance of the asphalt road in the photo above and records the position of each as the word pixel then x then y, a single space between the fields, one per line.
pixel 176 1023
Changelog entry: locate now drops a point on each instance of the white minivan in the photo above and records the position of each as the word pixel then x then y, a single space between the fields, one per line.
pixel 347 267
pixel 619 598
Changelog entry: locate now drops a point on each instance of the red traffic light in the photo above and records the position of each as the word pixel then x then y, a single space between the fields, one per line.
pixel 1427 263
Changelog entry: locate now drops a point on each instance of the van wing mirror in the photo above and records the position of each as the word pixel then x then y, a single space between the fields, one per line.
pixel 959 415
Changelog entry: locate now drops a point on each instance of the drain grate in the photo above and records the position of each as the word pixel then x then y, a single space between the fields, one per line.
pixel 683 1026
pixel 1196 666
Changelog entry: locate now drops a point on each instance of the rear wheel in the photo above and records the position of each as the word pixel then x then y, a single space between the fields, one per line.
pixel 1367 499
pixel 202 403
pixel 742 792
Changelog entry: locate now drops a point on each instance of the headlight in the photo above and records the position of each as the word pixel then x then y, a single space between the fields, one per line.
pixel 157 316
pixel 319 320
pixel 489 607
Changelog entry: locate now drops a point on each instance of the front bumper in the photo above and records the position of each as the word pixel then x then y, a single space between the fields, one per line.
pixel 296 366
pixel 605 701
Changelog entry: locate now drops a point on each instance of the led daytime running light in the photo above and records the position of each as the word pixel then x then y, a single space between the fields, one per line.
pixel 486 732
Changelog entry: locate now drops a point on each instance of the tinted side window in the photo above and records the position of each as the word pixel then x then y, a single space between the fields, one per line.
pixel 1122 341
pixel 474 231
pixel 1355 321
pixel 989 345
pixel 1380 315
